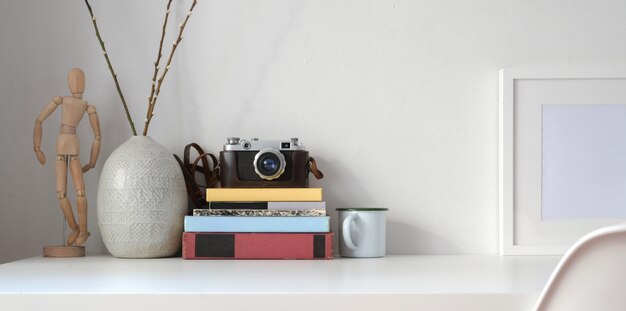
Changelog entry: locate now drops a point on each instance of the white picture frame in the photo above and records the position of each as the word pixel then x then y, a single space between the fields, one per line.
pixel 523 93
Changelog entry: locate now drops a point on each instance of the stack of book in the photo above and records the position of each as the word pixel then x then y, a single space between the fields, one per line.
pixel 259 223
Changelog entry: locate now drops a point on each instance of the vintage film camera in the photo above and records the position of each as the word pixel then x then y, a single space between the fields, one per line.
pixel 258 163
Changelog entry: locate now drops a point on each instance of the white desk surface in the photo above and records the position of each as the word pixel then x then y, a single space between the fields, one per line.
pixel 398 281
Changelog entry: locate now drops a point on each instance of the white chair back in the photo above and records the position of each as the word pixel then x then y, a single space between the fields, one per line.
pixel 591 275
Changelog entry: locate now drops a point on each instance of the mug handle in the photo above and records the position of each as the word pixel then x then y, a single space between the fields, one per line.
pixel 347 236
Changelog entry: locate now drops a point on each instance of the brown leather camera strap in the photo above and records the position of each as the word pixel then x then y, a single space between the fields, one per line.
pixel 313 168
pixel 209 170
pixel 193 191
pixel 209 174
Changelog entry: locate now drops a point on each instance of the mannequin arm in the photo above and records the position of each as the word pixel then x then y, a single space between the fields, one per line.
pixel 38 131
pixel 95 147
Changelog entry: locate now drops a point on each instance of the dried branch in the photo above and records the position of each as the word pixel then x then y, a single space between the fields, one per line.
pixel 106 56
pixel 151 105
pixel 158 60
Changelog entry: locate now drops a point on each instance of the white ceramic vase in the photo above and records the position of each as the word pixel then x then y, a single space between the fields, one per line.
pixel 142 200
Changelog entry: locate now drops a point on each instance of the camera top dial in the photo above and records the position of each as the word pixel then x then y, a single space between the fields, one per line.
pixel 255 144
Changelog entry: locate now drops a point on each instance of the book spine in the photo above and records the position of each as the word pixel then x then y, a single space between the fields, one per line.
pixel 237 205
pixel 256 224
pixel 268 205
pixel 259 212
pixel 296 205
pixel 257 245
pixel 263 194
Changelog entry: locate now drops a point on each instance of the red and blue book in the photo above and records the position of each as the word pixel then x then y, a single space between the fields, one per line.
pixel 201 245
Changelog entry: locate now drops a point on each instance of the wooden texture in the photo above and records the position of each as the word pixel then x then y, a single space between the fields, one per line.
pixel 64 251
pixel 67 151
pixel 95 147
pixel 76 81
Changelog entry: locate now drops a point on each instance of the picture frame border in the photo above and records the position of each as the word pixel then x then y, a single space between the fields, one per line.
pixel 506 156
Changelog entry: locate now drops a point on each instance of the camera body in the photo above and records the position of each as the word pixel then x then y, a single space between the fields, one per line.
pixel 258 163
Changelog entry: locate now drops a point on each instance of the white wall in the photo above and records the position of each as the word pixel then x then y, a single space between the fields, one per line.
pixel 396 99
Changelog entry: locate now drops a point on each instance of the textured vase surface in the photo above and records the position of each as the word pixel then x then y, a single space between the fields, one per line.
pixel 142 200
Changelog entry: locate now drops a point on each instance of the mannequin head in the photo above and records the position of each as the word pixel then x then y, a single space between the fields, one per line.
pixel 76 82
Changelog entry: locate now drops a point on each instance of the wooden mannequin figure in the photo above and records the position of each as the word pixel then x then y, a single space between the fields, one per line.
pixel 73 110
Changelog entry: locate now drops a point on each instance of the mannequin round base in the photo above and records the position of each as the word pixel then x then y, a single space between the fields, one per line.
pixel 64 251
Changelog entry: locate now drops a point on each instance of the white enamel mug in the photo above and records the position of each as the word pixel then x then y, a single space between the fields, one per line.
pixel 362 232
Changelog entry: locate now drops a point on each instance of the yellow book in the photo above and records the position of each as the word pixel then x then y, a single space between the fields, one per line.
pixel 263 194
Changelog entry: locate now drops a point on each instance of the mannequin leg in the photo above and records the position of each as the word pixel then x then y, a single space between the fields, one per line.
pixel 81 200
pixel 66 207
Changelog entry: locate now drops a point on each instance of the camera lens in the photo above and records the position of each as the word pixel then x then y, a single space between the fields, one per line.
pixel 269 163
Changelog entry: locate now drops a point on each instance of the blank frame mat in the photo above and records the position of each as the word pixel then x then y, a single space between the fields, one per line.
pixel 583 162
